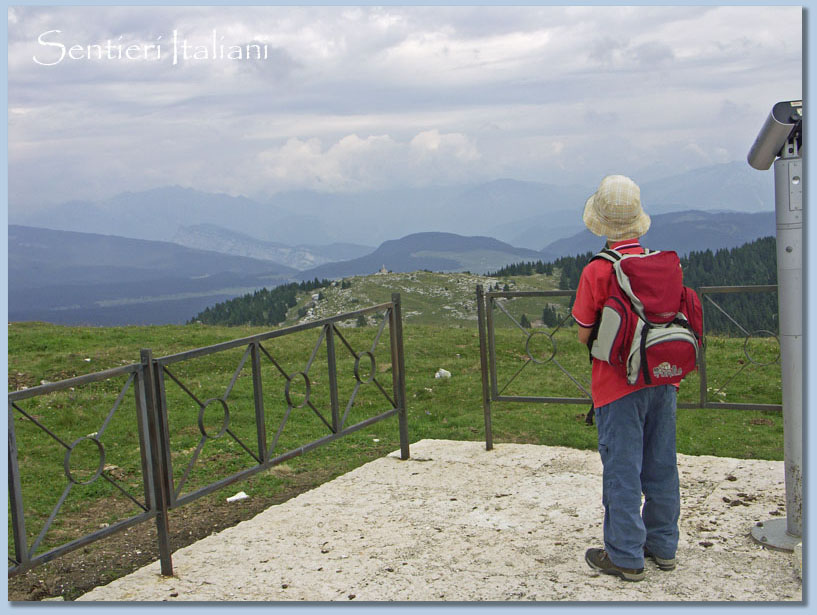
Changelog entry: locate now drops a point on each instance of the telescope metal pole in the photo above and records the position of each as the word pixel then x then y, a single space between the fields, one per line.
pixel 785 534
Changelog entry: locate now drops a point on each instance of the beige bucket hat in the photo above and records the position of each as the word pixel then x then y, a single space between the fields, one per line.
pixel 615 211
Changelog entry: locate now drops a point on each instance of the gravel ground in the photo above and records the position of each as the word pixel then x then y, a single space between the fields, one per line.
pixel 459 523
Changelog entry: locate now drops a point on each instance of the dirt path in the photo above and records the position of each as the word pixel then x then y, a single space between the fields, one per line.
pixel 458 523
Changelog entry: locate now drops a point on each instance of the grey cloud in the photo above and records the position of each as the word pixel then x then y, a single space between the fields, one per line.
pixel 652 54
pixel 540 91
pixel 623 54
pixel 603 49
pixel 81 24
pixel 277 65
pixel 730 110
pixel 608 118
pixel 477 22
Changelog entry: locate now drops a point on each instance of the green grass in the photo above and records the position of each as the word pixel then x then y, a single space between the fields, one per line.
pixel 437 408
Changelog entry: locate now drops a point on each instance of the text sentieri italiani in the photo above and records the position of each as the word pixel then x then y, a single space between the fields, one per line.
pixel 176 49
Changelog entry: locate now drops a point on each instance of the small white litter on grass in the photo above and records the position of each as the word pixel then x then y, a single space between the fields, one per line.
pixel 442 373
pixel 238 496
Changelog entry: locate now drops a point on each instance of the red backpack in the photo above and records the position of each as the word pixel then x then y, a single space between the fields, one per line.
pixel 651 324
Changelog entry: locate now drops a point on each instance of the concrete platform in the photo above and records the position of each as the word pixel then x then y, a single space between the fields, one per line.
pixel 459 523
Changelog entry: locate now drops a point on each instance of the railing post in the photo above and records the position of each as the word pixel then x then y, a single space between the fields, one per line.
pixel 399 372
pixel 258 398
pixel 16 496
pixel 489 326
pixel 146 451
pixel 483 361
pixel 331 361
pixel 160 479
pixel 702 359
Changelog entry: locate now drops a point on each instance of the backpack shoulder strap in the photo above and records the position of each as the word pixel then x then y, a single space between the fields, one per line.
pixel 608 254
pixel 646 252
pixel 611 256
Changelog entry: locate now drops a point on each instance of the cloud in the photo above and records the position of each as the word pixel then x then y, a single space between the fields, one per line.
pixel 374 162
pixel 652 54
pixel 605 49
pixel 278 64
pixel 431 144
pixel 355 98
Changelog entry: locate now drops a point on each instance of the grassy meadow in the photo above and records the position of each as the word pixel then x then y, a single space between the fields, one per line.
pixel 439 332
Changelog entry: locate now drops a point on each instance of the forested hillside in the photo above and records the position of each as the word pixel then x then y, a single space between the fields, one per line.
pixel 752 264
pixel 262 307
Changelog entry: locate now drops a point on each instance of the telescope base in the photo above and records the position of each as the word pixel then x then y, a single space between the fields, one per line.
pixel 773 534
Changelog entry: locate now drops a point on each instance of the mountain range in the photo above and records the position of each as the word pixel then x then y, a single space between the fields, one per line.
pixel 219 239
pixel 521 213
pixel 684 232
pixel 443 252
pixel 84 278
pixel 162 255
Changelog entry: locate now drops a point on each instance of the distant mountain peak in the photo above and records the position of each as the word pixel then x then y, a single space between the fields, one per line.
pixel 434 251
pixel 683 232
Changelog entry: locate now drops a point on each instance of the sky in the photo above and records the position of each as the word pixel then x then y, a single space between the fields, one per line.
pixel 102 100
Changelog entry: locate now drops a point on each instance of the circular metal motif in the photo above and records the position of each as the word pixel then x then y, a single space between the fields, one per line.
pixel 552 347
pixel 67 461
pixel 760 333
pixel 359 356
pixel 308 390
pixel 225 423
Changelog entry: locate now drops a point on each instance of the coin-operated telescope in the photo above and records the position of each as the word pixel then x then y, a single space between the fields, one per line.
pixel 783 130
pixel 780 141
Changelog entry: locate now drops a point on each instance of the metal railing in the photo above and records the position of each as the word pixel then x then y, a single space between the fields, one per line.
pixel 150 381
pixel 25 555
pixel 706 294
pixel 494 302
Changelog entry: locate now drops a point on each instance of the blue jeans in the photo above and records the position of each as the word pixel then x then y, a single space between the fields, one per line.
pixel 637 446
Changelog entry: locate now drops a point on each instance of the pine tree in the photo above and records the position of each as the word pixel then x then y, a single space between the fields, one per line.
pixel 550 318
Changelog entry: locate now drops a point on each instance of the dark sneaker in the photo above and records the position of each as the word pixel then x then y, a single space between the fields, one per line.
pixel 663 564
pixel 598 560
